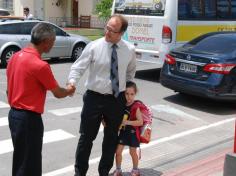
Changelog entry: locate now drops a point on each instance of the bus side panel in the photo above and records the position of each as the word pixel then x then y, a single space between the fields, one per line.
pixel 144 32
pixel 188 30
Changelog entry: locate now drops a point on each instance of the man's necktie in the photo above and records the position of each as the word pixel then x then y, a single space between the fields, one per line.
pixel 114 71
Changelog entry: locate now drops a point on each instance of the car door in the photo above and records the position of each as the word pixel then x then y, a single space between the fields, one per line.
pixel 61 46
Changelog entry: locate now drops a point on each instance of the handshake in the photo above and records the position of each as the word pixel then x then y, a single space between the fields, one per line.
pixel 70 88
pixel 60 92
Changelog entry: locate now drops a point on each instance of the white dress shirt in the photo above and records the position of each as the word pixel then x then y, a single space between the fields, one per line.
pixel 28 17
pixel 97 57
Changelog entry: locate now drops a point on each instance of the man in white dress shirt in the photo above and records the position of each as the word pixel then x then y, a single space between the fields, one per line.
pixel 27 15
pixel 99 100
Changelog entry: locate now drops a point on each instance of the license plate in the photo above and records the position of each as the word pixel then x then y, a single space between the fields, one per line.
pixel 188 68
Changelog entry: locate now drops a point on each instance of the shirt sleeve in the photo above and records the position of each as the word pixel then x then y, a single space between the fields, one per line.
pixel 46 78
pixel 80 65
pixel 131 67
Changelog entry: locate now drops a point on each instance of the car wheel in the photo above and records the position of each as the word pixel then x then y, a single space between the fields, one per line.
pixel 77 51
pixel 6 55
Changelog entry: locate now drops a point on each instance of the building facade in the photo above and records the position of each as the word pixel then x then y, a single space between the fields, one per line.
pixel 60 12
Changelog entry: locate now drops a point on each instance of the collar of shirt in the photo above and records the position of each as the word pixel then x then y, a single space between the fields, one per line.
pixel 32 51
pixel 119 44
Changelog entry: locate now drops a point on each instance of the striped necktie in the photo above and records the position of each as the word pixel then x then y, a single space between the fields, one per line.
pixel 114 71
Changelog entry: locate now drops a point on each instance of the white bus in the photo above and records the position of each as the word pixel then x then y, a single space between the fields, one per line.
pixel 156 26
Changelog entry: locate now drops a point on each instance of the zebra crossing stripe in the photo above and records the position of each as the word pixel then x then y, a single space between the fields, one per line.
pixel 4 105
pixel 65 111
pixel 3 121
pixel 49 137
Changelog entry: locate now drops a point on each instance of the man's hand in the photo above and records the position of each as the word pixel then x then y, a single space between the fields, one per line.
pixel 71 89
pixel 60 92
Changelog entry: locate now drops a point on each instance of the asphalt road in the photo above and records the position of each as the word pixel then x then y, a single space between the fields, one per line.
pixel 186 129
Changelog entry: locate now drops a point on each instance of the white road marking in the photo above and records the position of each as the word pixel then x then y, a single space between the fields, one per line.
pixel 65 111
pixel 3 121
pixel 4 105
pixel 49 137
pixel 152 143
pixel 172 110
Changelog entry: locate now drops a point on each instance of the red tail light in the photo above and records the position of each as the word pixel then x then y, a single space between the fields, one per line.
pixel 166 34
pixel 170 60
pixel 219 68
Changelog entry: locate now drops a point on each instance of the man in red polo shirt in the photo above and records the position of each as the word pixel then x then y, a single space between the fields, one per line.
pixel 28 79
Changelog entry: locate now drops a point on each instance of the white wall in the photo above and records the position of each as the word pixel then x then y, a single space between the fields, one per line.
pixel 85 7
pixel 20 4
pixel 52 9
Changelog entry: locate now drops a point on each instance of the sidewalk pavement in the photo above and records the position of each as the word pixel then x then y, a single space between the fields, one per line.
pixel 199 153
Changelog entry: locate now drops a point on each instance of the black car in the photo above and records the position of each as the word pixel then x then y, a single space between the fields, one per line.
pixel 205 66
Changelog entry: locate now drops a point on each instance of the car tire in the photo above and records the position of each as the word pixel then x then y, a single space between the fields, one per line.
pixel 77 51
pixel 6 55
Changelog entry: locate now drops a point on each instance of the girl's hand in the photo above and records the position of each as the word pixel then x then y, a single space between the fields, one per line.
pixel 125 122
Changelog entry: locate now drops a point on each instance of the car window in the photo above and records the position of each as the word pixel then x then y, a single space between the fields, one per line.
pixel 223 43
pixel 17 28
pixel 59 32
pixel 9 29
pixel 26 27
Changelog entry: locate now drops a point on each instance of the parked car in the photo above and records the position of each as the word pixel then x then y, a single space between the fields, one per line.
pixel 15 34
pixel 205 66
pixel 4 12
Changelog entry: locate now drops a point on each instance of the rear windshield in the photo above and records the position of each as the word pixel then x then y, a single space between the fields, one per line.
pixel 216 44
pixel 140 7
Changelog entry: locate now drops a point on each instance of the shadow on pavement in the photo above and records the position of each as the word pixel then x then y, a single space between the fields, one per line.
pixel 144 172
pixel 203 104
pixel 149 75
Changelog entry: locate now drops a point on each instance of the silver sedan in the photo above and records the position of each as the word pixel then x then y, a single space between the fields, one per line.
pixel 15 35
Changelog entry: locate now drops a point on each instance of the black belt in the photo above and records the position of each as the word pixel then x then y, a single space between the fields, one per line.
pixel 99 94
pixel 24 110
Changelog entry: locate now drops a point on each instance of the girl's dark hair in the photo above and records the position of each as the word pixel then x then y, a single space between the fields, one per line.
pixel 131 84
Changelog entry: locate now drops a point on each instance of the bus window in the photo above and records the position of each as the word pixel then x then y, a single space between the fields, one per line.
pixel 223 9
pixel 206 9
pixel 233 9
pixel 184 9
pixel 137 7
pixel 210 9
pixel 196 9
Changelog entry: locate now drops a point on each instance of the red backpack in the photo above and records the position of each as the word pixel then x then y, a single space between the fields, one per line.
pixel 143 132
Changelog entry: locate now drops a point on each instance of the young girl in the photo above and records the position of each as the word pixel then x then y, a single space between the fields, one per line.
pixel 127 136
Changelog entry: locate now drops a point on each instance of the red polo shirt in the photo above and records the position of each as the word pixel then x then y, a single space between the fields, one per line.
pixel 28 79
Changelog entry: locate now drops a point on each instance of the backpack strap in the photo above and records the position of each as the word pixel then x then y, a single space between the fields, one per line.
pixel 137 104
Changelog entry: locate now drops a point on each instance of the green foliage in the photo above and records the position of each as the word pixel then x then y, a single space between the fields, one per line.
pixel 103 9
